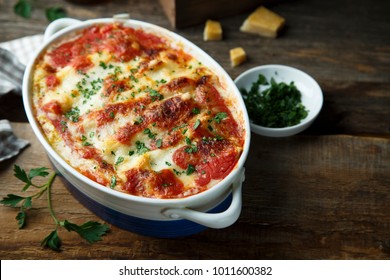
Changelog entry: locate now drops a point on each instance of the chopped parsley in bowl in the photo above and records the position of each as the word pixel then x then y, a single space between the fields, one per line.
pixel 281 100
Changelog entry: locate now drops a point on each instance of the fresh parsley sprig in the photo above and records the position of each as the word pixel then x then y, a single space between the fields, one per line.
pixel 90 231
pixel 24 9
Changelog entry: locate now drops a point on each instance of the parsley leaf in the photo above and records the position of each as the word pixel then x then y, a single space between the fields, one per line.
pixel 21 218
pixel 220 116
pixel 195 111
pixel 54 13
pixel 141 148
pixel 190 169
pixel 73 114
pixel 41 172
pixel 138 120
pixel 197 123
pixel 155 95
pixel 12 200
pixel 159 143
pixel 102 64
pixel 113 182
pixel 35 172
pixel 150 134
pixel 84 141
pixel 21 174
pixel 191 148
pixel 23 8
pixel 90 231
pixel 27 202
pixel 52 241
pixel 119 160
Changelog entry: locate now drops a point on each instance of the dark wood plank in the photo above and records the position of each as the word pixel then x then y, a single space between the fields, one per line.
pixel 345 113
pixel 184 13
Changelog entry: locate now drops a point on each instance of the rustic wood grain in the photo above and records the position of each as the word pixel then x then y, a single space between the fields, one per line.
pixel 323 194
pixel 184 13
pixel 304 197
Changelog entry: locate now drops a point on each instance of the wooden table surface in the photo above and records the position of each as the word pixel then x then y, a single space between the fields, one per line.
pixel 322 194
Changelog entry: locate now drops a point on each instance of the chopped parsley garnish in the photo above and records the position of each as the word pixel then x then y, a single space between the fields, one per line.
pixel 150 134
pixel 64 126
pixel 113 182
pixel 154 94
pixel 197 123
pixel 131 153
pixel 84 141
pixel 220 116
pixel 117 70
pixel 134 79
pixel 196 111
pixel 277 106
pixel 190 169
pixel 119 160
pixel 97 84
pixel 179 126
pixel 168 163
pixel 103 65
pixel 141 148
pixel 73 114
pixel 138 120
pixel 159 143
pixel 87 91
pixel 178 173
pixel 192 148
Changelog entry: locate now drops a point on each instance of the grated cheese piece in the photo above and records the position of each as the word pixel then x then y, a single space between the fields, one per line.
pixel 263 22
pixel 237 56
pixel 212 31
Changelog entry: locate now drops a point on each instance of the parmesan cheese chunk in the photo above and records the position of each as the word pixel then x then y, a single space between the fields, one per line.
pixel 237 56
pixel 263 22
pixel 212 31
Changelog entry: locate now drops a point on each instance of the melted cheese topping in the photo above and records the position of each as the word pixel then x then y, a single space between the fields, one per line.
pixel 134 112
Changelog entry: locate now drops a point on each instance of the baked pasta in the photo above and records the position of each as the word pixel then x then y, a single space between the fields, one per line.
pixel 135 112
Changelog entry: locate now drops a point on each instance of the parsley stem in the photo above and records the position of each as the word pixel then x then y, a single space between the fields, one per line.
pixel 48 184
pixel 38 194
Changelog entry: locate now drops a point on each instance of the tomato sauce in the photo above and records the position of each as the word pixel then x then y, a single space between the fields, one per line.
pixel 123 43
pixel 165 115
pixel 213 159
pixel 52 81
pixel 148 183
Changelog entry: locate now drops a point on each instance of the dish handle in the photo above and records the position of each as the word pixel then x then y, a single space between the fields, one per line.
pixel 57 25
pixel 213 220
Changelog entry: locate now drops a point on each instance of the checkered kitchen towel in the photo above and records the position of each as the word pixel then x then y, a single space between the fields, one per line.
pixel 10 145
pixel 14 55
